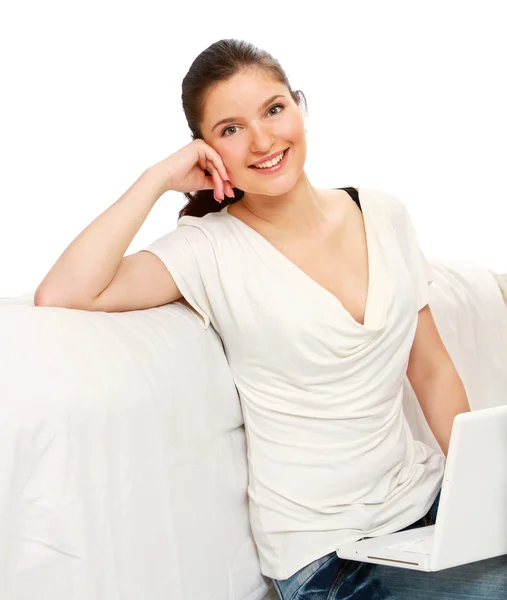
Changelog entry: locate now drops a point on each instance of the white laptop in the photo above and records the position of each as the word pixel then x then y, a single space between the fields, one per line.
pixel 471 520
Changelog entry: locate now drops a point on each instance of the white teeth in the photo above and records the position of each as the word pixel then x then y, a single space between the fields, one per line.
pixel 270 163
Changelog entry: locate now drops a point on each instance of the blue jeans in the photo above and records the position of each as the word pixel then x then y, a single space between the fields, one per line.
pixel 333 578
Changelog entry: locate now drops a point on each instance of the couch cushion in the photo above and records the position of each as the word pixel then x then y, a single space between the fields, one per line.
pixel 123 458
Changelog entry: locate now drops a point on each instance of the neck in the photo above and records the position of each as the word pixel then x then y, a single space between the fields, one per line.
pixel 302 210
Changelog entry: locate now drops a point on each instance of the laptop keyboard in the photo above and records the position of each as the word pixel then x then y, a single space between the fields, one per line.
pixel 418 546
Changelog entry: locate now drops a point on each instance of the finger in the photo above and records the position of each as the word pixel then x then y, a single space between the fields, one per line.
pixel 206 166
pixel 217 182
pixel 218 162
pixel 229 190
pixel 202 161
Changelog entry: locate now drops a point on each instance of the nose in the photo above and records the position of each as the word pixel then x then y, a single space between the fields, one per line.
pixel 262 139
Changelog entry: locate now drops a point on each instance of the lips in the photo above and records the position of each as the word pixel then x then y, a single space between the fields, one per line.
pixel 267 159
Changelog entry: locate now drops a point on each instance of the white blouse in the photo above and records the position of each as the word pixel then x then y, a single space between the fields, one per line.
pixel 331 457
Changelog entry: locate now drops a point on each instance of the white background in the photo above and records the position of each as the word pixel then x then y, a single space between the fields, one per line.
pixel 404 96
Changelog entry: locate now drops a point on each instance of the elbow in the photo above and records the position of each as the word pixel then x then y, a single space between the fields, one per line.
pixel 40 298
pixel 44 298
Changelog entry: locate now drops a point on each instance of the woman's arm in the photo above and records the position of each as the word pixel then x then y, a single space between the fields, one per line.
pixel 435 380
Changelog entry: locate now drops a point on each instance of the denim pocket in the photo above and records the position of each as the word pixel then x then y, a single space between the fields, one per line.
pixel 316 576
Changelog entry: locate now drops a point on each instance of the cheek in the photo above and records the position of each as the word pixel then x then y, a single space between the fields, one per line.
pixel 292 130
pixel 230 157
pixel 226 153
pixel 299 127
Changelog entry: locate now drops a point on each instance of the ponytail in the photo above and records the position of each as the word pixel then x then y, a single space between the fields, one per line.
pixel 203 202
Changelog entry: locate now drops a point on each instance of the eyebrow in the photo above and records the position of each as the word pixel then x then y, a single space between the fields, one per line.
pixel 263 105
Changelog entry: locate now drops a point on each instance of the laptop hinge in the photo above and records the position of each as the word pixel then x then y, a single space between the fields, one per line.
pixel 403 562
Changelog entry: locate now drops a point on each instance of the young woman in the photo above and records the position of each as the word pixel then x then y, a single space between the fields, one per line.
pixel 320 297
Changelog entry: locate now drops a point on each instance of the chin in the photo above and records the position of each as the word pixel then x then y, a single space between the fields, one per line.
pixel 275 190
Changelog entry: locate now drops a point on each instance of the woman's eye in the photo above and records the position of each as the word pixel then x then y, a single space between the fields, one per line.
pixel 276 106
pixel 227 129
pixel 280 106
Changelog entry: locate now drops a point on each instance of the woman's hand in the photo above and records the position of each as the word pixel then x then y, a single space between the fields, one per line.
pixel 183 171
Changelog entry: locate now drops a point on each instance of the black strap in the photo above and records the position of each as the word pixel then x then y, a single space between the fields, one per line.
pixel 353 193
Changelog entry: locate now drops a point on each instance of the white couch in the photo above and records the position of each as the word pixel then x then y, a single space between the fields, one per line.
pixel 123 470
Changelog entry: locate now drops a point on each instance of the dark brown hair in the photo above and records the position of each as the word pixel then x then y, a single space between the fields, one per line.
pixel 219 62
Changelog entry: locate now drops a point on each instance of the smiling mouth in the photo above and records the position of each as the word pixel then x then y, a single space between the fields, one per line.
pixel 284 153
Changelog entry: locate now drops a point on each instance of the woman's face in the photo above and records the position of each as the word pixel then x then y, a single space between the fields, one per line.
pixel 256 130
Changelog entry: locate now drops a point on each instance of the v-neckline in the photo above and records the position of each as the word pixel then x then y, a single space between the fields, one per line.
pixel 372 266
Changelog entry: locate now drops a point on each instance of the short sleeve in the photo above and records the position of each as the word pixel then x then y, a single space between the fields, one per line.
pixel 419 268
pixel 186 252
